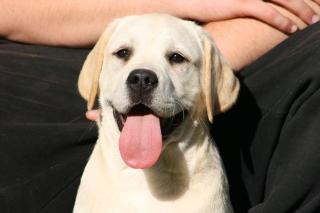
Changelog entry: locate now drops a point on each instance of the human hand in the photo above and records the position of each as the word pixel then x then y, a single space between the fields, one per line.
pixel 213 10
pixel 93 115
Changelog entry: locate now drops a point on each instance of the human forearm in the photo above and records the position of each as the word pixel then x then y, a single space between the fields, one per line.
pixel 66 22
pixel 241 41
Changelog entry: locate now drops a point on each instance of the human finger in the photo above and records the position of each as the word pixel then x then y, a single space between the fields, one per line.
pixel 299 8
pixel 264 12
pixel 317 1
pixel 93 114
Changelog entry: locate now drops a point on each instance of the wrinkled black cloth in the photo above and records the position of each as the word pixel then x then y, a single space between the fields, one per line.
pixel 269 140
pixel 45 139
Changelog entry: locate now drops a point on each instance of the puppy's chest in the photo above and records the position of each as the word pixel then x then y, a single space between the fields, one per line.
pixel 137 191
pixel 136 196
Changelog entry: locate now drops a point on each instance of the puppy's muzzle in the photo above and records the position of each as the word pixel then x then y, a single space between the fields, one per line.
pixel 141 83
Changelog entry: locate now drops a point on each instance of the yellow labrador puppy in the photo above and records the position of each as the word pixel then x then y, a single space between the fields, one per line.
pixel 159 79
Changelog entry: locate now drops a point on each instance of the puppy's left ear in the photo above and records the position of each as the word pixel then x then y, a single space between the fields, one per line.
pixel 88 82
pixel 219 84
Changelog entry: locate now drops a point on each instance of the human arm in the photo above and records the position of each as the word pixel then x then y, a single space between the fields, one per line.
pixel 80 23
pixel 244 40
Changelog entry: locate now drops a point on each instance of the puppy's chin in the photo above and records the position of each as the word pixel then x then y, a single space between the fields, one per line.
pixel 168 124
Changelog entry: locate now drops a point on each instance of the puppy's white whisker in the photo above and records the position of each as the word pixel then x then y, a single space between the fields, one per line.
pixel 182 108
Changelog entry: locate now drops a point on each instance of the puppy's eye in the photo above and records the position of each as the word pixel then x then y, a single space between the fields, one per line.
pixel 124 53
pixel 176 58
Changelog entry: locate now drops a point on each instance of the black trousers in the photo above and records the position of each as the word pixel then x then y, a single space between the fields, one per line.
pixel 269 141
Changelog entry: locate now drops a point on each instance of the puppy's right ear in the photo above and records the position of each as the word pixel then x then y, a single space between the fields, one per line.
pixel 88 82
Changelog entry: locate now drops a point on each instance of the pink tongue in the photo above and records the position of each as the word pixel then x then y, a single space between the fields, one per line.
pixel 141 141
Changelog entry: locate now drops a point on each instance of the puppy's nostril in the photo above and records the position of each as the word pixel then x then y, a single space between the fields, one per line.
pixel 151 80
pixel 134 79
pixel 142 80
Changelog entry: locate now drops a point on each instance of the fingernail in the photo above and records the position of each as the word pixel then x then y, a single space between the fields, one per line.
pixel 294 28
pixel 315 18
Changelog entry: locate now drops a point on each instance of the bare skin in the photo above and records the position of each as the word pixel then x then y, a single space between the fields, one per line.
pixel 80 23
pixel 239 41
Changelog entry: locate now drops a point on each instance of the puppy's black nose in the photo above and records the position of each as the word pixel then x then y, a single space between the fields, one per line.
pixel 142 80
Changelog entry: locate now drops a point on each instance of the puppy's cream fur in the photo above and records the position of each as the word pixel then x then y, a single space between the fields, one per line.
pixel 189 176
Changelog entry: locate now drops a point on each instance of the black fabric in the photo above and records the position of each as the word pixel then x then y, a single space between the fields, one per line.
pixel 45 140
pixel 269 141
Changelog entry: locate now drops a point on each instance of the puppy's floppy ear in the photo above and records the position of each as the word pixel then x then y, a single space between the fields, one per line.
pixel 88 82
pixel 219 85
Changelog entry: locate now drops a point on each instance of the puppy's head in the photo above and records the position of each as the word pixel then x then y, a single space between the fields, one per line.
pixel 154 71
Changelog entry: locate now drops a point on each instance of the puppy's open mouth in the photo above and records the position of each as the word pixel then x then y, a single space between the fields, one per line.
pixel 167 125
pixel 142 134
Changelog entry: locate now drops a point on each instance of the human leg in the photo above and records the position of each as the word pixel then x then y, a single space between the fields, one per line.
pixel 45 140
